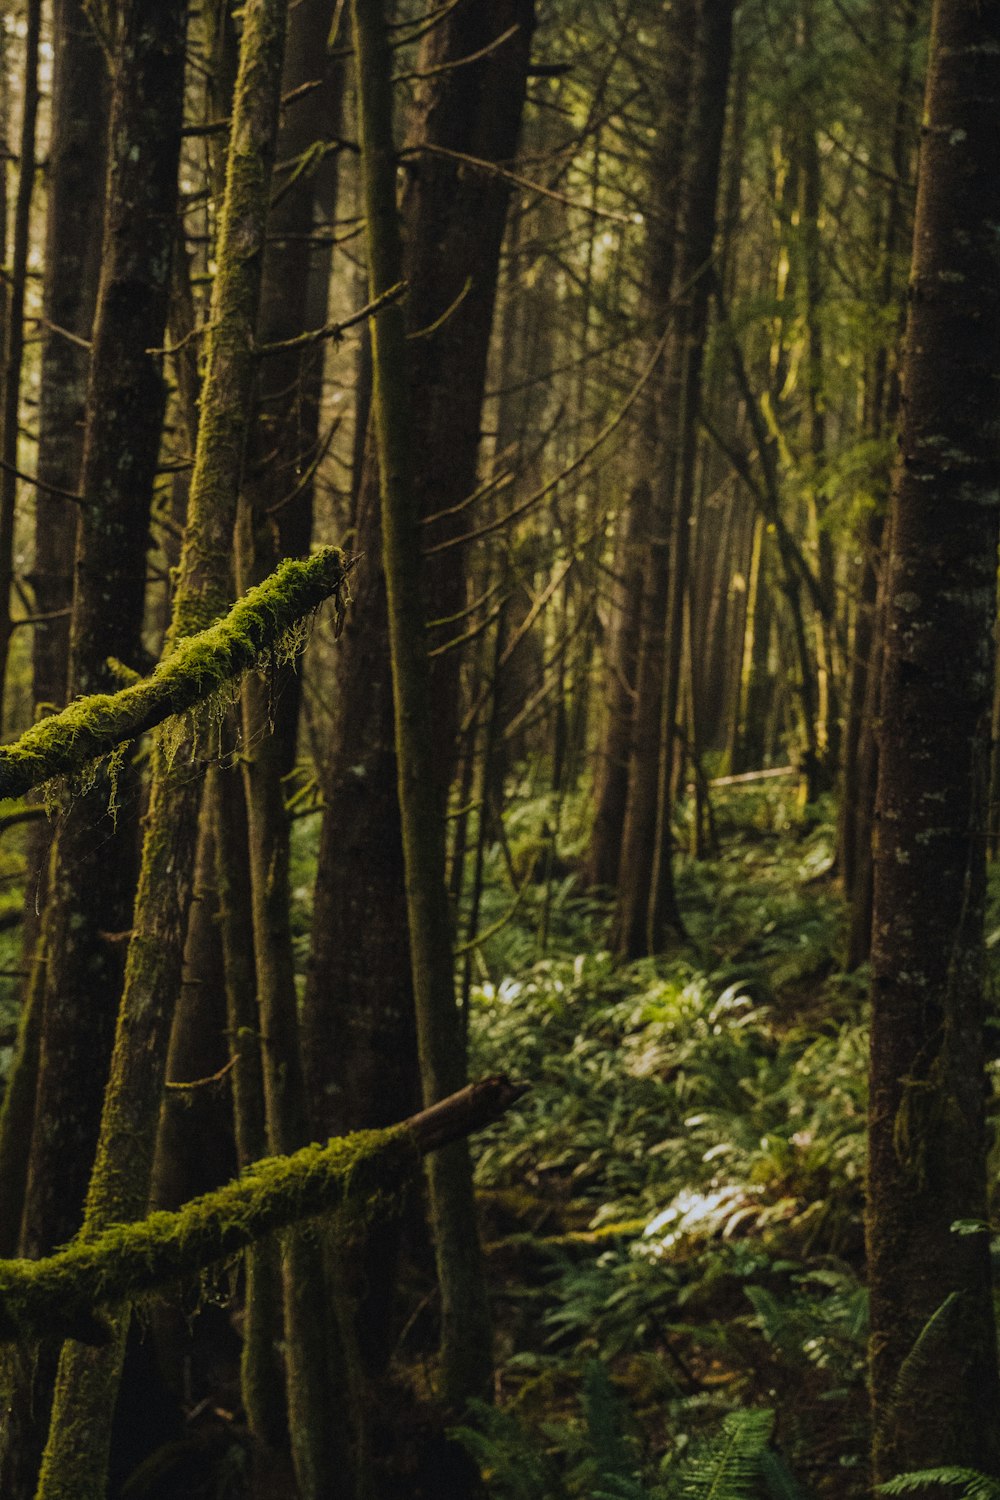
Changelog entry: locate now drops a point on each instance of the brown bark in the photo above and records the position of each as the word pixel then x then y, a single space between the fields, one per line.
pixel 13 346
pixel 637 852
pixel 620 653
pixel 647 901
pixel 926 1141
pixel 93 863
pixel 453 218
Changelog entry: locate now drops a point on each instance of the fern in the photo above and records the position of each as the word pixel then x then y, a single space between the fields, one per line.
pixel 973 1484
pixel 510 1459
pixel 919 1363
pixel 728 1465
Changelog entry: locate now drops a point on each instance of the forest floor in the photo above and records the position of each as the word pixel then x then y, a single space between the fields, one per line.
pixel 674 1212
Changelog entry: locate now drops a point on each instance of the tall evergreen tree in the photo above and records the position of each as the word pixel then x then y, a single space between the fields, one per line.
pixel 931 1287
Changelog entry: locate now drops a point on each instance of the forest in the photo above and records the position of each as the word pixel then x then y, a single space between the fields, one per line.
pixel 499 749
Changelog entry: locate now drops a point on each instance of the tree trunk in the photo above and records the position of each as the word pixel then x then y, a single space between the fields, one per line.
pixel 933 1338
pixel 359 979
pixel 631 935
pixel 276 520
pixel 654 901
pixel 13 347
pixel 76 1455
pixel 621 649
pixel 92 869
pixel 406 494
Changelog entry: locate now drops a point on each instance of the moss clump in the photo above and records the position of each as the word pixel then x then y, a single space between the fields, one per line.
pixel 195 669
pixel 64 1293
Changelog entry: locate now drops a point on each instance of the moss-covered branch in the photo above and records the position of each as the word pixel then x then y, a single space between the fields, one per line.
pixel 195 668
pixel 63 1294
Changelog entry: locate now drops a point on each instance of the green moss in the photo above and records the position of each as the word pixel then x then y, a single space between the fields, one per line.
pixel 197 668
pixel 65 1293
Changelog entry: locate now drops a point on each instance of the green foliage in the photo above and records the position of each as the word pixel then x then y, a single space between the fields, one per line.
pixel 727 1466
pixel 595 1455
pixel 684 1176
pixel 970 1482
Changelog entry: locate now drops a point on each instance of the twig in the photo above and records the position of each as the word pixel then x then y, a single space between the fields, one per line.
pixel 336 331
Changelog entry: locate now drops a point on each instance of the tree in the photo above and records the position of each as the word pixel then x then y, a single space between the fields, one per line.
pixel 647 905
pixel 933 1338
pixel 465 1331
pixel 475 61
pixel 75 1459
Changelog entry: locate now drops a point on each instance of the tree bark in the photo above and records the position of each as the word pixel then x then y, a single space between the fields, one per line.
pixel 466 1339
pixel 75 1460
pixel 637 852
pixel 359 985
pixel 933 1338
pixel 13 347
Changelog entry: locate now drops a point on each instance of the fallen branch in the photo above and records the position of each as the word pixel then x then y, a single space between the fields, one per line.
pixel 199 664
pixel 63 1295
pixel 746 776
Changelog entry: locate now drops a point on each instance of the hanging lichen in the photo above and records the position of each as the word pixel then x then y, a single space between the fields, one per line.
pixel 66 1292
pixel 268 619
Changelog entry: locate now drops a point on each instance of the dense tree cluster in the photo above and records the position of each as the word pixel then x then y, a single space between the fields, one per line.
pixel 407 411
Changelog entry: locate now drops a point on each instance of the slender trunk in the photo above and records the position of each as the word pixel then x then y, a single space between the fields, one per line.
pixel 860 743
pixel 701 204
pixel 73 240
pixel 622 638
pixel 276 520
pixel 76 171
pixel 262 1382
pixel 13 348
pixel 933 1337
pixel 637 855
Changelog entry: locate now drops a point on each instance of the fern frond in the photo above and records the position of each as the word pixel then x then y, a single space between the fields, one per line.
pixel 926 1347
pixel 727 1466
pixel 974 1485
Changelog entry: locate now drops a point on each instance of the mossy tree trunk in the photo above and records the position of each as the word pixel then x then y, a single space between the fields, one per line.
pixel 75 1459
pixel 285 446
pixel 933 1337
pixel 92 868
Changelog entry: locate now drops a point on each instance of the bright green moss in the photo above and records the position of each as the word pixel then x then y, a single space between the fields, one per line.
pixel 66 1292
pixel 198 667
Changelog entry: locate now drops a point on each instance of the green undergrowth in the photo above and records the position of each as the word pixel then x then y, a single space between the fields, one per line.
pixel 677 1201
